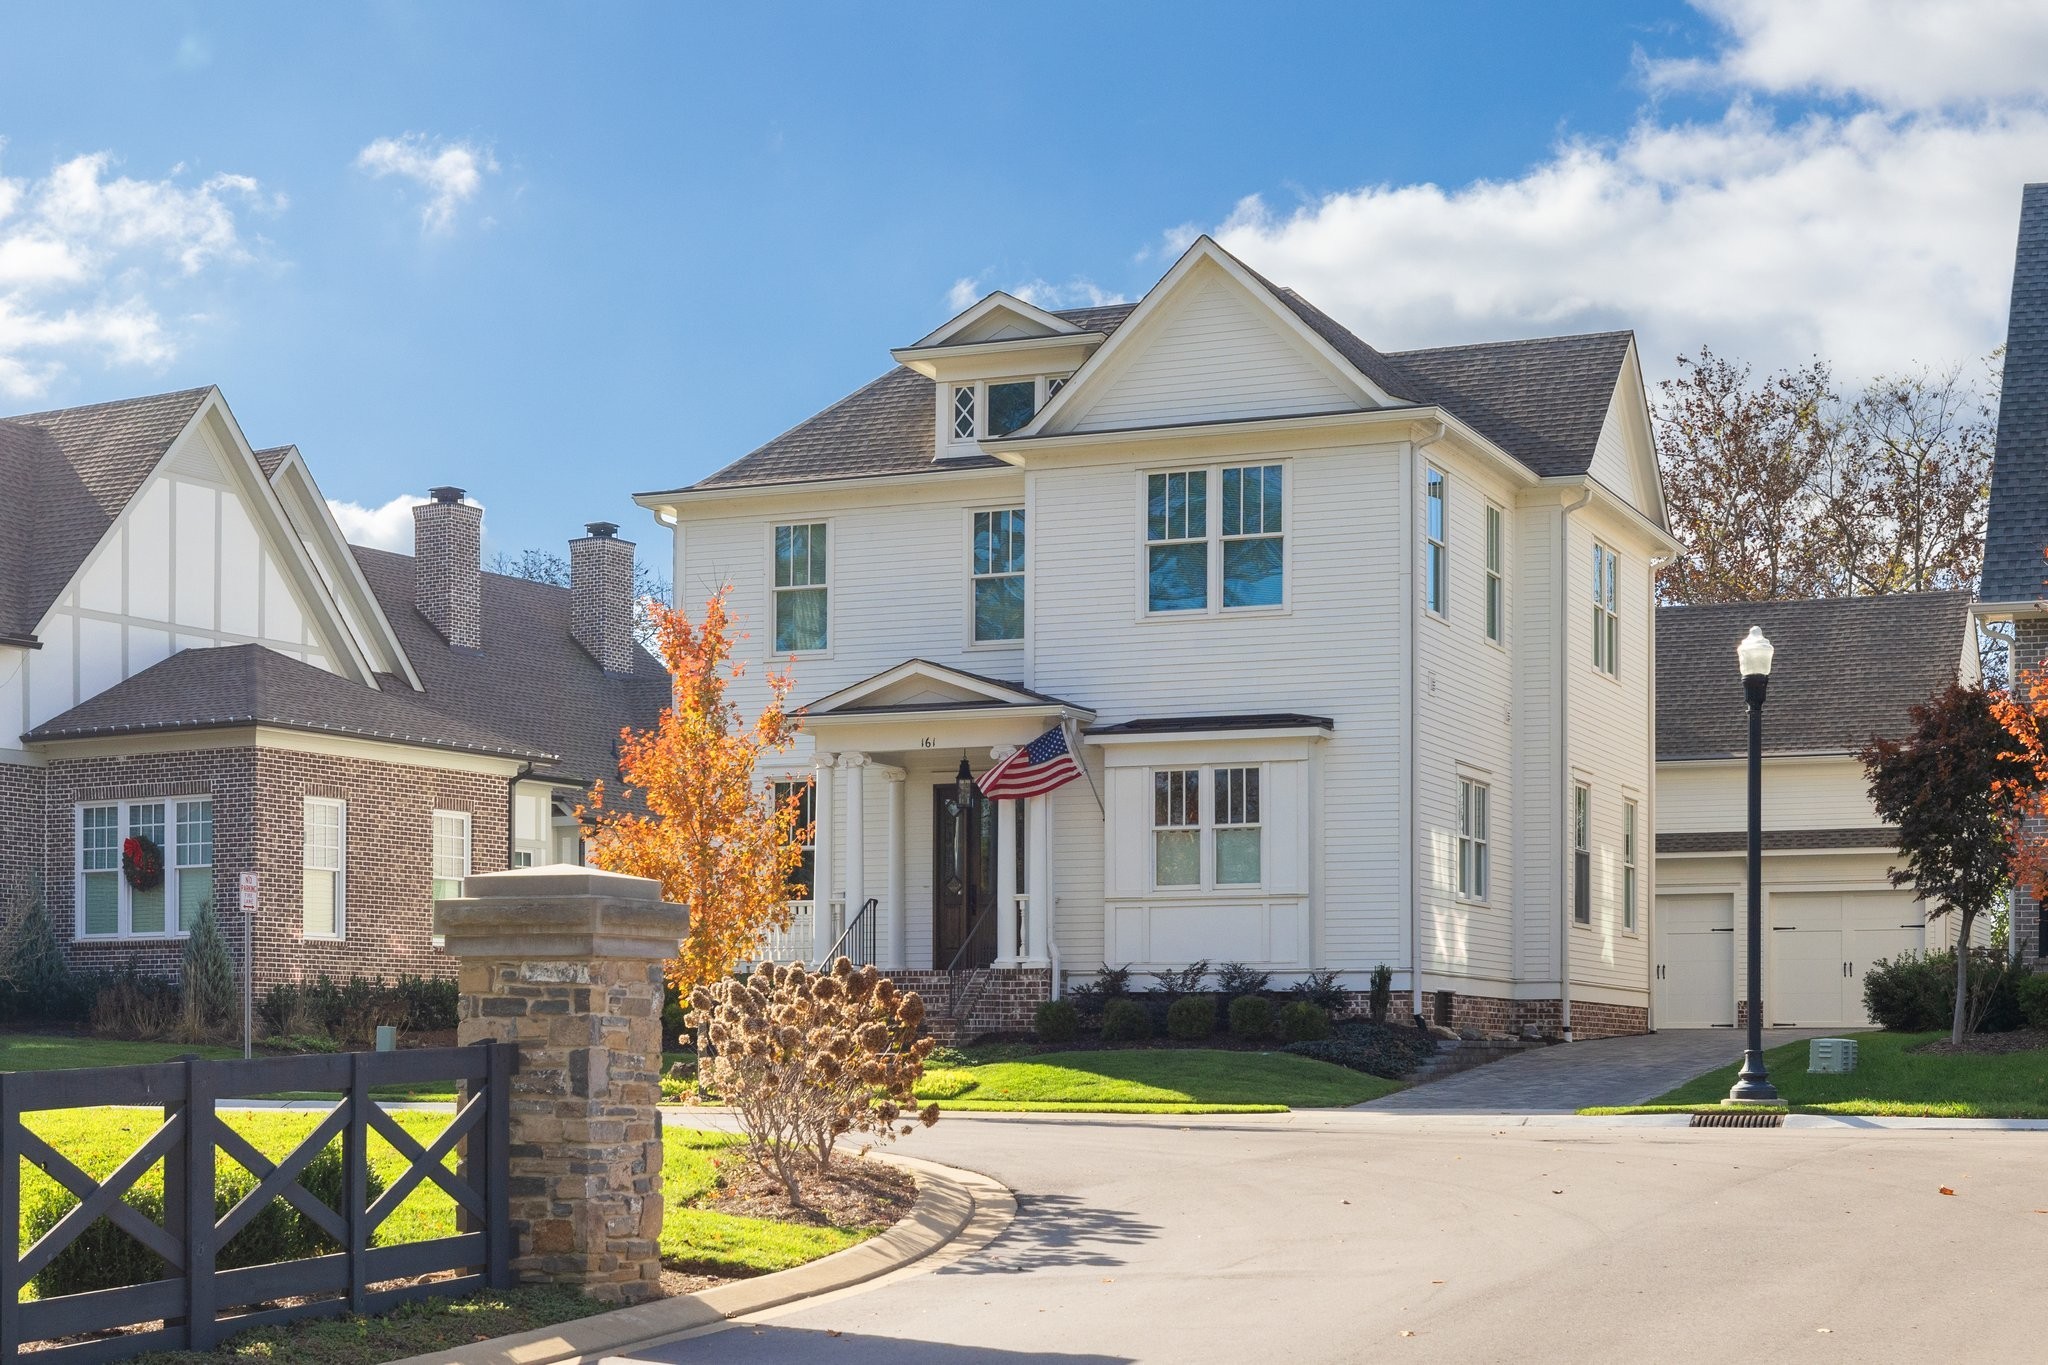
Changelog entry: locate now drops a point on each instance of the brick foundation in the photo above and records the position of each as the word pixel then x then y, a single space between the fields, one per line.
pixel 1497 1014
pixel 1000 1000
pixel 1591 1019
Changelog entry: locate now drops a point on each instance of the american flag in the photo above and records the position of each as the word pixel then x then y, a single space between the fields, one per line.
pixel 1037 768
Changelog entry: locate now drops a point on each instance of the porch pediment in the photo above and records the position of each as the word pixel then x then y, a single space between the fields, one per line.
pixel 920 685
pixel 919 706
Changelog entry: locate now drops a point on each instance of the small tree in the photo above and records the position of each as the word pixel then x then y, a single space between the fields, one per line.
pixel 713 835
pixel 804 1058
pixel 37 978
pixel 207 981
pixel 1956 788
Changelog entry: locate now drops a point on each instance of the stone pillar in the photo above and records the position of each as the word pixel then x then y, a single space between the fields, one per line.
pixel 567 963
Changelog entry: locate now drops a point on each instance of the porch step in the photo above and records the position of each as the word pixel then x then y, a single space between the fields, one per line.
pixel 1454 1056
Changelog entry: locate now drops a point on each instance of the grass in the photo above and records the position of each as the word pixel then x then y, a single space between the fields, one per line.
pixel 703 1241
pixel 429 1326
pixel 65 1051
pixel 1152 1081
pixel 1890 1080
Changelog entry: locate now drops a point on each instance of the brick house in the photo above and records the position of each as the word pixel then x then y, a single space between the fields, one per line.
pixel 191 653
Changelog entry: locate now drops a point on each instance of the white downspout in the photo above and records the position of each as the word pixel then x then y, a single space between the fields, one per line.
pixel 1567 851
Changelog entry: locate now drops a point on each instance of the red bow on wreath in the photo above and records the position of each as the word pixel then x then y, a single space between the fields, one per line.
pixel 142 862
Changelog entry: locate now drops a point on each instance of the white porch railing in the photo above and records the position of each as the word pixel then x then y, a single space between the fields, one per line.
pixel 797 943
pixel 1022 910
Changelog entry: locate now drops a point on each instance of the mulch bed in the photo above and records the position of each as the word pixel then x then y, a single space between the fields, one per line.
pixel 858 1194
pixel 2019 1040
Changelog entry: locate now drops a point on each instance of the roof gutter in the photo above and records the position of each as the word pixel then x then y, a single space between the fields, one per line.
pixel 21 641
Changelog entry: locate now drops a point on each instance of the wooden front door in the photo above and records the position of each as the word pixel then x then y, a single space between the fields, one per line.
pixel 963 878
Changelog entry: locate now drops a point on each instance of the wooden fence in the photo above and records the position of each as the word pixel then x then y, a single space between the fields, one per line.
pixel 196 1304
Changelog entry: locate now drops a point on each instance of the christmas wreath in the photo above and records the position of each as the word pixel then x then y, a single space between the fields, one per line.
pixel 142 862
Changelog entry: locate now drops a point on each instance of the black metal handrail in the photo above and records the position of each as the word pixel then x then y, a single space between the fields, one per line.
pixel 860 931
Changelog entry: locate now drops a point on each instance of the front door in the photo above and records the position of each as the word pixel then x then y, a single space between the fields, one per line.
pixel 963 878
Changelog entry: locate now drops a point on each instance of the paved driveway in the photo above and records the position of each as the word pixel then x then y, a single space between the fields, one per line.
pixel 1308 1238
pixel 1573 1076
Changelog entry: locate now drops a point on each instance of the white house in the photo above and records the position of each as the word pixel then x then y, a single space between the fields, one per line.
pixel 1358 645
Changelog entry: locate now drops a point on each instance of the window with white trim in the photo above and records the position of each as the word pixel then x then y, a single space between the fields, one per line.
pixel 1606 623
pixel 1435 560
pixel 1054 384
pixel 323 898
pixel 1254 550
pixel 802 588
pixel 180 833
pixel 1177 541
pixel 964 407
pixel 1472 839
pixel 1177 827
pixel 997 576
pixel 1582 853
pixel 1496 595
pixel 1218 844
pixel 1239 836
pixel 451 853
pixel 1010 404
pixel 1237 559
pixel 1628 865
pixel 803 793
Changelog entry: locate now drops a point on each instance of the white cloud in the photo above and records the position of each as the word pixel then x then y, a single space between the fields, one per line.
pixel 1874 237
pixel 86 254
pixel 387 526
pixel 450 172
pixel 1075 293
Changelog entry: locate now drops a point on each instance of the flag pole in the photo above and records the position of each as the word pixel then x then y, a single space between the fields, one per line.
pixel 1074 748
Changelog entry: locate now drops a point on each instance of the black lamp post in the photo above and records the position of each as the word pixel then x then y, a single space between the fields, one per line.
pixel 1754 1086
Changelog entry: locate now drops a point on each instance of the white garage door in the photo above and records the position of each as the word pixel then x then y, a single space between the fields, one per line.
pixel 1821 942
pixel 1695 961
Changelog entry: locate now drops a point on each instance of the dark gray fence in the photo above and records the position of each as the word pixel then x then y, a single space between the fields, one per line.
pixel 197 1305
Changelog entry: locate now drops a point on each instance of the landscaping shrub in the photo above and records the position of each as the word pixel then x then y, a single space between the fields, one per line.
pixel 352 1011
pixel 1191 1018
pixel 1187 981
pixel 804 1057
pixel 1110 983
pixel 1916 992
pixel 104 1257
pixel 1382 1050
pixel 207 981
pixel 35 981
pixel 2032 994
pixel 1321 990
pixel 1057 1021
pixel 131 1005
pixel 1382 992
pixel 433 1004
pixel 1125 1021
pixel 1234 979
pixel 1303 1022
pixel 1251 1016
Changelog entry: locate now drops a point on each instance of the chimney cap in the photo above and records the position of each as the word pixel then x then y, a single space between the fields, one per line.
pixel 602 530
pixel 447 494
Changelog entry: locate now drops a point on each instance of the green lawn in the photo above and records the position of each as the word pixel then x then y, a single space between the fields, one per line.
pixel 706 1242
pixel 61 1051
pixel 1890 1079
pixel 1152 1081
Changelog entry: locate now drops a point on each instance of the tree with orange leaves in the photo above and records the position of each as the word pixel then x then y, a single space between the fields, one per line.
pixel 713 835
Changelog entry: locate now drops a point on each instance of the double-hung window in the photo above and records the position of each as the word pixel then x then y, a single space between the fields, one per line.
pixel 1606 623
pixel 1237 558
pixel 1435 594
pixel 998 576
pixel 451 853
pixel 1496 597
pixel 1582 853
pixel 802 586
pixel 323 902
pixel 1215 844
pixel 179 838
pixel 1472 816
pixel 174 837
pixel 802 793
pixel 1628 865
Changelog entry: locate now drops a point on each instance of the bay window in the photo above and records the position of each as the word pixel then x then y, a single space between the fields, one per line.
pixel 1214 845
pixel 173 839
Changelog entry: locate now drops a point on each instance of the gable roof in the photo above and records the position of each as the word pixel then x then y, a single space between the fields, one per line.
pixel 531 681
pixel 68 475
pixel 978 689
pixel 2017 531
pixel 240 685
pixel 1845 671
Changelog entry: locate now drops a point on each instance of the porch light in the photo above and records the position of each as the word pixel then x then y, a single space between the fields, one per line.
pixel 1754 654
pixel 963 783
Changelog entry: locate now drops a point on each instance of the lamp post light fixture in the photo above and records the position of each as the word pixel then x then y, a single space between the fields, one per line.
pixel 1753 1085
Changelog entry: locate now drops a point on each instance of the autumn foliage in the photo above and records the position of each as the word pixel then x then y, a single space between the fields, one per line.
pixel 712 833
pixel 2023 712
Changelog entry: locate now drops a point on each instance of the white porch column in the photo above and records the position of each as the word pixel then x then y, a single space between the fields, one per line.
pixel 1006 872
pixel 823 865
pixel 1038 879
pixel 892 948
pixel 856 766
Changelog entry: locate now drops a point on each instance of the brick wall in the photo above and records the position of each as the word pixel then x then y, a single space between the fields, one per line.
pixel 999 1001
pixel 21 833
pixel 258 797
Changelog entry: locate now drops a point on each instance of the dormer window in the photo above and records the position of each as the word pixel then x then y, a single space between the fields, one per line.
pixel 990 408
pixel 963 413
pixel 1010 405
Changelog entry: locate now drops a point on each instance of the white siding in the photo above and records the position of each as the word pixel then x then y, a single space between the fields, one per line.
pixel 1213 353
pixel 1799 793
pixel 1614 464
pixel 1537 830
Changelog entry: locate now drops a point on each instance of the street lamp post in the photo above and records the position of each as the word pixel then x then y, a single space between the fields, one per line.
pixel 1753 1085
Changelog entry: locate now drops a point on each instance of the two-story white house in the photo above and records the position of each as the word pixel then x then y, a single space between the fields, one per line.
pixel 1356 645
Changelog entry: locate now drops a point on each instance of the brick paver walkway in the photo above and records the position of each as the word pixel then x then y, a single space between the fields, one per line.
pixel 1570 1076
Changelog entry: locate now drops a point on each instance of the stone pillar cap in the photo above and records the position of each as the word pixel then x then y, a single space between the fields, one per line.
pixel 560 911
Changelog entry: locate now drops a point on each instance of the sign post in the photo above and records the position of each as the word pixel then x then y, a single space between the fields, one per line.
pixel 249 902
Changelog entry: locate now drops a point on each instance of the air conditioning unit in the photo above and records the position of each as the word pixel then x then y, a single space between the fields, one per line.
pixel 1831 1056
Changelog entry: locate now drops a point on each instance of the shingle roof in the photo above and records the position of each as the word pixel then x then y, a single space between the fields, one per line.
pixel 270 458
pixel 1778 840
pixel 64 478
pixel 2017 532
pixel 237 685
pixel 531 681
pixel 1543 400
pixel 1845 671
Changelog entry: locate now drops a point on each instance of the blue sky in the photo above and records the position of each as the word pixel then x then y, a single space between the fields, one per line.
pixel 558 254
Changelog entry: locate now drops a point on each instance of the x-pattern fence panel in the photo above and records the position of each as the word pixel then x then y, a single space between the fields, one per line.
pixel 195 1304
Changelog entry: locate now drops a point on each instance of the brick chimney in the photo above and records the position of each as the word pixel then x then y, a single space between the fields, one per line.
pixel 601 596
pixel 447 566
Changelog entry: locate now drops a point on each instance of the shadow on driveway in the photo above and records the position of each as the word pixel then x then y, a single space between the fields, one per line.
pixel 1054 1230
pixel 746 1342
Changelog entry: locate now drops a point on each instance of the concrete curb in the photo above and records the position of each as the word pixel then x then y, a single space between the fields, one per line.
pixel 956 1213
